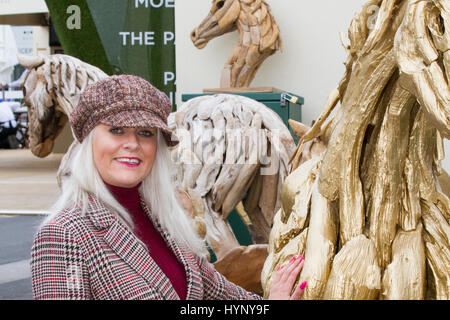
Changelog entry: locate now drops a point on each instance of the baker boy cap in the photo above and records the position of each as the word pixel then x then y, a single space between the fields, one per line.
pixel 122 101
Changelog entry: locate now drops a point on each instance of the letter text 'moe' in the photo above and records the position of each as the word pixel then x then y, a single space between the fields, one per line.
pixel 154 3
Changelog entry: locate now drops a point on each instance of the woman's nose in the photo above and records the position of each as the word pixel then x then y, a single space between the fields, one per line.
pixel 131 142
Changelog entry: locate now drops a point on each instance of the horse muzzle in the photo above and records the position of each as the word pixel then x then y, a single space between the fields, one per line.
pixel 199 43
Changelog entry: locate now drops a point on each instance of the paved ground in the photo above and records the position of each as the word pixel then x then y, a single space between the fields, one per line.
pixel 27 183
pixel 27 186
pixel 16 238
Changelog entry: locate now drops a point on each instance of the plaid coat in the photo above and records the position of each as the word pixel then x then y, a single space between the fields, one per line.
pixel 95 256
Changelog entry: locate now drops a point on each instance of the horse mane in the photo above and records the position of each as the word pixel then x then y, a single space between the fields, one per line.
pixel 52 89
pixel 260 14
pixel 65 78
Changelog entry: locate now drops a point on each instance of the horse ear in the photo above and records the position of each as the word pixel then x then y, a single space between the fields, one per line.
pixel 30 61
pixel 299 128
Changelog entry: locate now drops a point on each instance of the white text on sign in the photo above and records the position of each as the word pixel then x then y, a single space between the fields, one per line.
pixel 146 38
pixel 155 3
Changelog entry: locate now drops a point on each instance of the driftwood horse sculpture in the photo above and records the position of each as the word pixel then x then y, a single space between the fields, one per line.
pixel 370 213
pixel 259 37
pixel 216 165
pixel 51 90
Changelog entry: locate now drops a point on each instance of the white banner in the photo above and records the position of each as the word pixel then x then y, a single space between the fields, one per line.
pixel 9 7
pixel 8 54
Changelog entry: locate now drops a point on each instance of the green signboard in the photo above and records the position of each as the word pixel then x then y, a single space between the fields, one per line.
pixel 121 36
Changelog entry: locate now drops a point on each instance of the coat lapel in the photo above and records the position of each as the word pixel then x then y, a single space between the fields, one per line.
pixel 127 246
pixel 185 256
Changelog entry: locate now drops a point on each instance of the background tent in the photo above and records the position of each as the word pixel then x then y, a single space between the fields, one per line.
pixel 8 54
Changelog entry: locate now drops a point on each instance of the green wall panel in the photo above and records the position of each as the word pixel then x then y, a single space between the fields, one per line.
pixel 83 43
pixel 118 36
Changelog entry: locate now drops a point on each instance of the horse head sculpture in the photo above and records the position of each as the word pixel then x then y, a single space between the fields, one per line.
pixel 259 37
pixel 51 90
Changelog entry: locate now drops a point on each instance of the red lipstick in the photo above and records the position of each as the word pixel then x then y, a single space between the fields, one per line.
pixel 131 162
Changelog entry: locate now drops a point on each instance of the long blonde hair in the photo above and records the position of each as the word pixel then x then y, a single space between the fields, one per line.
pixel 157 190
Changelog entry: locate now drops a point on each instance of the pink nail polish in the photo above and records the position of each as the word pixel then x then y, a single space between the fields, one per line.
pixel 278 268
pixel 292 259
pixel 303 285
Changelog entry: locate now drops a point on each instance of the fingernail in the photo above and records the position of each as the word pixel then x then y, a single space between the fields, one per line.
pixel 278 268
pixel 303 285
pixel 292 259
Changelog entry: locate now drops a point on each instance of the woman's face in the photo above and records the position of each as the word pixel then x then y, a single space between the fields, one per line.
pixel 123 156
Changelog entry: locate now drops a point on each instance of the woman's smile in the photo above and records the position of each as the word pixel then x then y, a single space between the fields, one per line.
pixel 129 161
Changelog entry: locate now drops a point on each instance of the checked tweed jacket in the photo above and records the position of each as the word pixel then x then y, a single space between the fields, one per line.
pixel 95 256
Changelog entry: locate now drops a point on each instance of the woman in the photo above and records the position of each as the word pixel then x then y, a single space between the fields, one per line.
pixel 117 231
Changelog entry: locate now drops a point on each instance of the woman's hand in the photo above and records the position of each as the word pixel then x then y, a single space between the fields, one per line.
pixel 284 280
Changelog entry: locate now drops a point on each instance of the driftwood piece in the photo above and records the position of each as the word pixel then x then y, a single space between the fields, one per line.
pixel 294 247
pixel 249 169
pixel 444 182
pixel 405 276
pixel 296 192
pixel 243 265
pixel 355 273
pixel 219 233
pixel 320 245
pixel 314 147
pixel 192 202
pixel 437 239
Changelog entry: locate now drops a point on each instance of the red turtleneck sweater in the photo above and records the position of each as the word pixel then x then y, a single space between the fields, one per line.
pixel 129 198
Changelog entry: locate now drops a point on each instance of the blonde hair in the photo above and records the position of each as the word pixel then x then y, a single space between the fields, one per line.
pixel 157 190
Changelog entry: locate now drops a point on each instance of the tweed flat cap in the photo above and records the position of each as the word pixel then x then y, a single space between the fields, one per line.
pixel 122 101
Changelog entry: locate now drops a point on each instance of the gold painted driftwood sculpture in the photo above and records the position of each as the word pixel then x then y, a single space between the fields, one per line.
pixel 368 213
pixel 259 37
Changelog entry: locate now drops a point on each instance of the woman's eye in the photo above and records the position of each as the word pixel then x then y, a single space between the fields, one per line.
pixel 115 130
pixel 146 133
